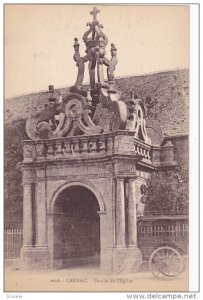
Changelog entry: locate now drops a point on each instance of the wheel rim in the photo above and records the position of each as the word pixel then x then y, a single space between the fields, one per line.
pixel 166 262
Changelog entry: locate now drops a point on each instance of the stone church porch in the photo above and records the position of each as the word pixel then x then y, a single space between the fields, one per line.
pixel 88 155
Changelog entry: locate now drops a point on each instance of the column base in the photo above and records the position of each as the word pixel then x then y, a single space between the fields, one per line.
pixel 106 256
pixel 34 257
pixel 126 260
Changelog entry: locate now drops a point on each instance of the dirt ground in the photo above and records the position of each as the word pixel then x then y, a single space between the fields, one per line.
pixel 84 279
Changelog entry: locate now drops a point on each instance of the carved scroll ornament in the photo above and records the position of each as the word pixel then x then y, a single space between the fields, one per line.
pixel 137 119
pixel 63 119
pixel 73 115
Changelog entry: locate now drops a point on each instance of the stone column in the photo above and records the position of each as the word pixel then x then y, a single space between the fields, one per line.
pixel 27 214
pixel 41 209
pixel 132 214
pixel 120 212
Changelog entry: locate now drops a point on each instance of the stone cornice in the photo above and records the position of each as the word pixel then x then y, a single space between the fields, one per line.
pixel 86 160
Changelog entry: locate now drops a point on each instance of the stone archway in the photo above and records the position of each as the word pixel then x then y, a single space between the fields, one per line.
pixel 76 228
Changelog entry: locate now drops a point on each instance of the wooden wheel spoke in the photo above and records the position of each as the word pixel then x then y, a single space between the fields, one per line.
pixel 175 265
pixel 174 269
pixel 158 265
pixel 172 261
pixel 167 253
pixel 157 259
pixel 163 254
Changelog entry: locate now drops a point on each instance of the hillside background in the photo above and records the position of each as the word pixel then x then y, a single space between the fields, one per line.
pixel 165 94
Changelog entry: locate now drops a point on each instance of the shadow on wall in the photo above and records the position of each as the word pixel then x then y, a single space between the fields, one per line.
pixel 76 228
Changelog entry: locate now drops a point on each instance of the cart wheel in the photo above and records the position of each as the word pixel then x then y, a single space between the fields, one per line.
pixel 166 262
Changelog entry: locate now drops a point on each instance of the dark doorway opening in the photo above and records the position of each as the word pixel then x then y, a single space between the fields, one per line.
pixel 77 228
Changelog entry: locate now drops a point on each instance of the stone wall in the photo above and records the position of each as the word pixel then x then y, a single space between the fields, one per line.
pixel 166 96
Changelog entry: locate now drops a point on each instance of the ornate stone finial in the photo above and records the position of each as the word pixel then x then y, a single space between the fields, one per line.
pixel 113 50
pixel 51 88
pixel 51 93
pixel 95 41
pixel 94 12
pixel 132 95
pixel 101 90
pixel 60 97
pixel 76 45
pixel 95 29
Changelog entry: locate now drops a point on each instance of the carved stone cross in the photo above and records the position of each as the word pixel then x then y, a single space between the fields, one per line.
pixel 94 12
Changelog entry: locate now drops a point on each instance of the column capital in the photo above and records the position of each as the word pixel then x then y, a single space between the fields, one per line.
pixel 101 213
pixel 131 178
pixel 27 182
pixel 119 177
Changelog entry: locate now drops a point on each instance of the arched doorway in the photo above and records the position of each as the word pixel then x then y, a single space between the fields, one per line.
pixel 76 228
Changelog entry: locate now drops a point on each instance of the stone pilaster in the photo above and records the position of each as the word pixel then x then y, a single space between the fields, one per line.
pixel 127 257
pixel 27 214
pixel 41 209
pixel 132 214
pixel 120 212
pixel 34 256
pixel 168 152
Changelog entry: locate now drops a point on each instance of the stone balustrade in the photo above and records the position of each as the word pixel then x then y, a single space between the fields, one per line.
pixel 121 142
pixel 76 146
pixel 143 150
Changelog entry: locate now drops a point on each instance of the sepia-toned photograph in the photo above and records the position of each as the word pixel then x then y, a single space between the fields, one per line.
pixel 96 148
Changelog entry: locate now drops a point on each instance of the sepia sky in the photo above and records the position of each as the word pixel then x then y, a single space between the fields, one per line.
pixel 38 42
